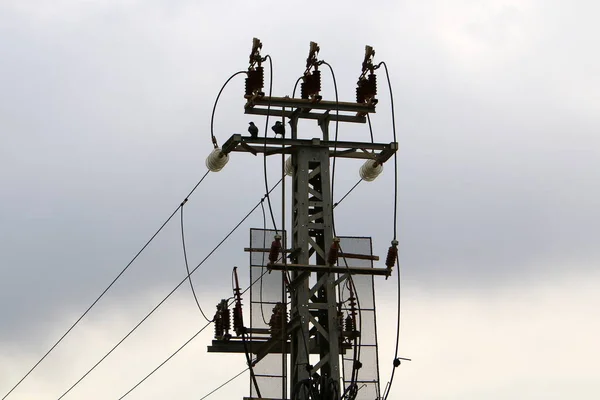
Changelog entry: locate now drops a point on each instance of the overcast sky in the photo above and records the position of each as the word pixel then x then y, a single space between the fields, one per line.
pixel 104 128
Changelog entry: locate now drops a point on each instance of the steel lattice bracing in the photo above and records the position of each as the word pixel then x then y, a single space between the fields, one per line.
pixel 313 303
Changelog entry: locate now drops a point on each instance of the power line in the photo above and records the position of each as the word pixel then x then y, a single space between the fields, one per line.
pixel 389 386
pixel 212 117
pixel 168 295
pixel 105 290
pixel 347 193
pixel 266 130
pixel 166 360
pixel 387 74
pixel 182 346
pixel 187 267
pixel 358 340
pixel 223 384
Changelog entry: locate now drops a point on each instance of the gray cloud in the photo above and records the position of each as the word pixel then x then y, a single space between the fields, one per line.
pixel 104 123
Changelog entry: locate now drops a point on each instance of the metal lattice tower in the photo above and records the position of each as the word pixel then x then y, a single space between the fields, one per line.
pixel 314 326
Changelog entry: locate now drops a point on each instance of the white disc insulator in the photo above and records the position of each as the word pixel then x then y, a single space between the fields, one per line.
pixel 216 160
pixel 370 170
pixel 288 167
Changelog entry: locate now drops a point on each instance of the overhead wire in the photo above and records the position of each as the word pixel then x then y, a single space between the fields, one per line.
pixel 266 131
pixel 106 289
pixel 212 117
pixel 358 340
pixel 167 296
pixel 263 269
pixel 337 203
pixel 389 385
pixel 187 266
pixel 165 361
pixel 224 384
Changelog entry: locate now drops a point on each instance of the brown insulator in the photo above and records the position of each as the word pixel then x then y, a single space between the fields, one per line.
pixel 392 255
pixel 303 91
pixel 360 91
pixel 352 313
pixel 247 87
pixel 278 319
pixel 275 249
pixel 334 250
pixel 255 80
pixel 226 320
pixel 218 327
pixel 350 325
pixel 260 78
pixel 316 82
pixel 372 85
pixel 238 320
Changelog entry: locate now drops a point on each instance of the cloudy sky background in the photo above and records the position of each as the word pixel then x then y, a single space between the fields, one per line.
pixel 104 127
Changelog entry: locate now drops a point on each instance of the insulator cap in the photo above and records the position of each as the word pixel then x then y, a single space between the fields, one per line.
pixel 275 248
pixel 372 86
pixel 392 255
pixel 238 320
pixel 360 91
pixel 216 160
pixel 370 170
pixel 278 319
pixel 255 80
pixel 289 167
pixel 334 250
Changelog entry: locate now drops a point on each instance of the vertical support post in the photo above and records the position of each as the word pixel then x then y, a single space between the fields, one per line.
pixel 312 236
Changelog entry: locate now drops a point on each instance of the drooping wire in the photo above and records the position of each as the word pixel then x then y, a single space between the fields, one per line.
pixel 387 75
pixel 389 386
pixel 187 266
pixel 212 117
pixel 357 340
pixel 223 384
pixel 265 149
pixel 337 122
pixel 347 193
pixel 168 295
pixel 263 269
pixel 165 361
pixel 181 347
pixel 370 127
pixel 105 290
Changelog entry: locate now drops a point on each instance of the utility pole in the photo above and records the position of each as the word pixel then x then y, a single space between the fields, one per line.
pixel 315 269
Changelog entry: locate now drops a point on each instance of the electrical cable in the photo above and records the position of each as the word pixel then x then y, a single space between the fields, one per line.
pixel 370 127
pixel 357 340
pixel 107 288
pixel 337 122
pixel 212 117
pixel 223 384
pixel 263 269
pixel 167 296
pixel 250 366
pixel 265 149
pixel 387 74
pixel 165 361
pixel 347 193
pixel 389 386
pixel 187 266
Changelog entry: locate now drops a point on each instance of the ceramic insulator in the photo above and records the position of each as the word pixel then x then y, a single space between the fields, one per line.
pixel 370 170
pixel 216 160
pixel 289 167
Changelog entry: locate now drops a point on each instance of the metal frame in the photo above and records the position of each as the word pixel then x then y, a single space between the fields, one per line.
pixel 361 150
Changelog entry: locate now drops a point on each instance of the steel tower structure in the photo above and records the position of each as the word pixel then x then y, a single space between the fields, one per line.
pixel 314 266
